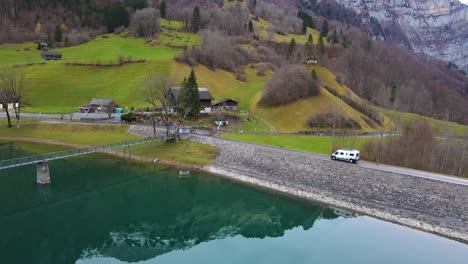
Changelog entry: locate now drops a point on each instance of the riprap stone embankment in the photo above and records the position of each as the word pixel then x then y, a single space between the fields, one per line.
pixel 429 205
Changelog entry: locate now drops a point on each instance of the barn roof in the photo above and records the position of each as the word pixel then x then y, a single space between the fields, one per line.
pixel 103 101
pixel 224 100
pixel 51 53
pixel 203 92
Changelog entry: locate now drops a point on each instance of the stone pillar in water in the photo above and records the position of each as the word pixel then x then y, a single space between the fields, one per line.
pixel 43 176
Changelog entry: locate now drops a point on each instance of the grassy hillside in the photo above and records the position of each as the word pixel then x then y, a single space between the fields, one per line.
pixel 11 54
pixel 262 29
pixel 288 118
pixel 292 117
pixel 439 127
pixel 59 88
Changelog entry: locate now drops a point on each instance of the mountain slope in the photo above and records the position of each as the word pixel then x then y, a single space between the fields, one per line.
pixel 438 28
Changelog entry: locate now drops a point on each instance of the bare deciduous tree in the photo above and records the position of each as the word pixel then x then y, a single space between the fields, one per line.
pixel 156 91
pixel 288 84
pixel 12 92
pixel 145 22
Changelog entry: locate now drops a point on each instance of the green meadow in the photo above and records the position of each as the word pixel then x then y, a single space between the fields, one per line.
pixel 58 88
pixel 92 135
pixel 313 144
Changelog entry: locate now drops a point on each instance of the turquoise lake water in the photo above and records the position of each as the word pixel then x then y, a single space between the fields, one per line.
pixel 103 210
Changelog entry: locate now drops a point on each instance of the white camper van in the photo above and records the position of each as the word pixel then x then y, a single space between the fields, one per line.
pixel 350 155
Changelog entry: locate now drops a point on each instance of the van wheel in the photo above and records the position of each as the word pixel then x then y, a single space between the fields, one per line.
pixel 333 158
pixel 351 160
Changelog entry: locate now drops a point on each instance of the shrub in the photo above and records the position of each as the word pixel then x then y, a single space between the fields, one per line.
pixel 264 67
pixel 145 22
pixel 129 117
pixel 328 119
pixel 241 77
pixel 289 84
pixel 216 51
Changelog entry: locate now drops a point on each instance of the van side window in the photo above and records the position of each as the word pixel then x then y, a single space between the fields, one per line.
pixel 352 155
pixel 341 153
pixel 336 153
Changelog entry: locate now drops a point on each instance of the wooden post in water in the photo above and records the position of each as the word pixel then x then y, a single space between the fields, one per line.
pixel 43 176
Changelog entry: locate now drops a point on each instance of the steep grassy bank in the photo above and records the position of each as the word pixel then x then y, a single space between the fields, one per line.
pixel 65 136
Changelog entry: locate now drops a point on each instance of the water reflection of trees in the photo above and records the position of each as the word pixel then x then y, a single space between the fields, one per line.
pixel 197 210
pixel 105 208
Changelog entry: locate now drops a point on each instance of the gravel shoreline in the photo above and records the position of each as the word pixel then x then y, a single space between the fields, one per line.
pixel 428 205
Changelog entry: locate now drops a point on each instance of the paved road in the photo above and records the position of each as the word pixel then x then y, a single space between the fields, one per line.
pixel 116 119
pixel 366 164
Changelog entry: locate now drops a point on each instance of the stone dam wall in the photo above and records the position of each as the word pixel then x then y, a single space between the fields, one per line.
pixel 424 204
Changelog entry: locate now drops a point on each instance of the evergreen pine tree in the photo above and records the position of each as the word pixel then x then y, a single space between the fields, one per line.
pixel 335 38
pixel 304 26
pixel 116 16
pixel 190 97
pixel 344 42
pixel 321 46
pixel 291 47
pixel 58 34
pixel 314 75
pixel 309 46
pixel 251 28
pixel 196 19
pixel 310 39
pixel 307 21
pixel 324 31
pixel 163 9
pixel 393 90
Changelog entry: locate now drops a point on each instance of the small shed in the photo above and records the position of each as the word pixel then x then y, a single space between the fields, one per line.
pixel 48 55
pixel 311 60
pixel 184 132
pixel 205 99
pixel 226 104
pixel 99 106
pixel 43 46
pixel 86 108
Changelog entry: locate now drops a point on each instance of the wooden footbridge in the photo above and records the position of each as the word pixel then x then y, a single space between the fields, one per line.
pixel 42 160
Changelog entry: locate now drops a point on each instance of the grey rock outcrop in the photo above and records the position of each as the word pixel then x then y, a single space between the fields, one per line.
pixel 438 28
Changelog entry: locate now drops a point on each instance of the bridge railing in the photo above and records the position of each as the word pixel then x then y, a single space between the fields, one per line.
pixel 16 162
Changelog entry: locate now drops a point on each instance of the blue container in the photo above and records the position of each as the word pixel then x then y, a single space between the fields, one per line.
pixel 118 110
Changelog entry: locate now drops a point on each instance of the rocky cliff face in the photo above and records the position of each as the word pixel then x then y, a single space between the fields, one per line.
pixel 438 28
